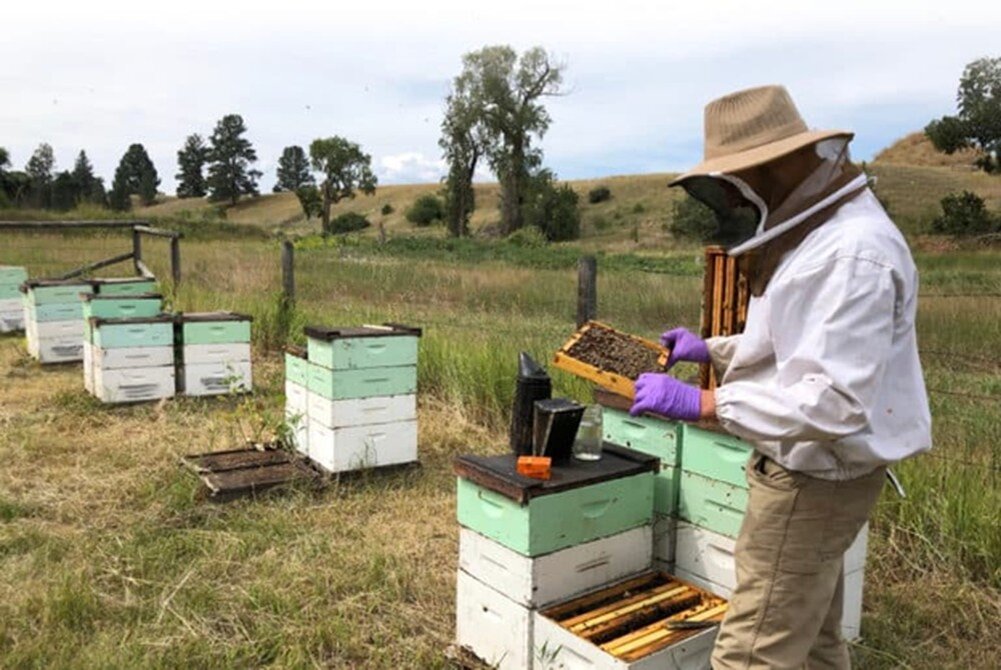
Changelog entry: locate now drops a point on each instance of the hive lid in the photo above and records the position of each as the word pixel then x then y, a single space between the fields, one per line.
pixel 130 320
pixel 298 352
pixel 122 280
pixel 33 283
pixel 196 317
pixel 500 474
pixel 88 297
pixel 330 333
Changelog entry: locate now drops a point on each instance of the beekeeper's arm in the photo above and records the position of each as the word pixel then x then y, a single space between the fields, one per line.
pixel 721 350
pixel 831 328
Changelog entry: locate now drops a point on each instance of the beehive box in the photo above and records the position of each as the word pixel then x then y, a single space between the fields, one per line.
pixel 53 319
pixel 124 286
pixel 130 359
pixel 297 399
pixel 11 302
pixel 215 353
pixel 610 358
pixel 648 622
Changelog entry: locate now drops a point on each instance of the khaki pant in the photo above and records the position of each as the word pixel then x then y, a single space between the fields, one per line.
pixel 786 609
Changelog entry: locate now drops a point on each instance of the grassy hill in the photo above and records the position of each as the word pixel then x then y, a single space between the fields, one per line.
pixel 633 219
pixel 917 150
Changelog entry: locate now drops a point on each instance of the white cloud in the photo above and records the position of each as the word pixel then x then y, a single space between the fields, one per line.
pixel 411 167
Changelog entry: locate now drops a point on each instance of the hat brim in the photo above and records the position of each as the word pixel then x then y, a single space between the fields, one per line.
pixel 759 155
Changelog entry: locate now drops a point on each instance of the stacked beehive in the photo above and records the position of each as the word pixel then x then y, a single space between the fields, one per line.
pixel 53 318
pixel 106 309
pixel 361 402
pixel 520 552
pixel 711 497
pixel 11 303
pixel 133 357
pixel 214 353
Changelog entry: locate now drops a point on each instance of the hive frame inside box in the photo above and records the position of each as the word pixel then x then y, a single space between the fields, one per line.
pixel 613 382
pixel 625 626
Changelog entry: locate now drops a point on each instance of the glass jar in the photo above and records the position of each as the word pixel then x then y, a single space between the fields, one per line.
pixel 587 445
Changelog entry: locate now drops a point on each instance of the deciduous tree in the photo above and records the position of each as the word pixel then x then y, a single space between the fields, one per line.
pixel 39 169
pixel 505 91
pixel 978 123
pixel 231 157
pixel 135 175
pixel 345 168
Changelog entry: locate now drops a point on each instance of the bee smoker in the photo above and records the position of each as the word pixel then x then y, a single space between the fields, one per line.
pixel 533 384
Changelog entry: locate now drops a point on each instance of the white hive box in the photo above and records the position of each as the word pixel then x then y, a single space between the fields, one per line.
pixel 133 357
pixel 216 378
pixel 206 354
pixel 361 411
pixel 360 447
pixel 492 626
pixel 665 531
pixel 297 399
pixel 706 559
pixel 540 581
pixel 134 384
pixel 88 366
pixel 11 315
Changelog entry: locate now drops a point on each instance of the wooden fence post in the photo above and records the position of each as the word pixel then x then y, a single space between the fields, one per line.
pixel 175 261
pixel 587 289
pixel 137 249
pixel 288 272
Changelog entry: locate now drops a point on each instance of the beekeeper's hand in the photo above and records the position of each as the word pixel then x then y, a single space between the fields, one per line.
pixel 665 395
pixel 684 346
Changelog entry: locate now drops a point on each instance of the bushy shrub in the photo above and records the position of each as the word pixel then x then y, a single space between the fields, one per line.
pixel 310 200
pixel 964 214
pixel 692 220
pixel 347 222
pixel 552 209
pixel 528 237
pixel 426 210
pixel 599 194
pixel 387 209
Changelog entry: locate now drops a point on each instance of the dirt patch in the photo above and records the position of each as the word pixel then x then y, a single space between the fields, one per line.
pixel 610 351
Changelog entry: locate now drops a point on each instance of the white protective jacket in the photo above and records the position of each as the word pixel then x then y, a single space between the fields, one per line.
pixel 826 379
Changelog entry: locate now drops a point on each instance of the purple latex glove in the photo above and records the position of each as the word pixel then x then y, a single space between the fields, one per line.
pixel 665 395
pixel 685 346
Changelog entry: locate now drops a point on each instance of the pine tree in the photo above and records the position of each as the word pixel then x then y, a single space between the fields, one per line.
pixel 231 156
pixel 135 175
pixel 90 188
pixel 293 170
pixel 40 169
pixel 191 161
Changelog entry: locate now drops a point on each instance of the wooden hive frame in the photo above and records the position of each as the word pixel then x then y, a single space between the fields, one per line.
pixel 725 295
pixel 612 381
pixel 639 616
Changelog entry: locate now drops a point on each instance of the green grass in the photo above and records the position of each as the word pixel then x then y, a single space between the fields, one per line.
pixel 108 559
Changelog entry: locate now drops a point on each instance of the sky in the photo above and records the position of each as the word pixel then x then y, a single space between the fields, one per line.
pixel 102 75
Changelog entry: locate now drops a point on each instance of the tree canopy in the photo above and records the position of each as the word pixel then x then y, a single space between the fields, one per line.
pixel 231 156
pixel 135 175
pixel 978 123
pixel 345 168
pixel 191 159
pixel 496 105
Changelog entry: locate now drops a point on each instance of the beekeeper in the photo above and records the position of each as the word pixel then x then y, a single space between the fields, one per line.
pixel 825 381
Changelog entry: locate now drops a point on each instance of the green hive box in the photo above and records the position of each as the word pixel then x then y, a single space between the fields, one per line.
pixel 350 348
pixel 362 383
pixel 125 286
pixel 559 520
pixel 296 369
pixel 55 311
pixel 122 307
pixel 711 504
pixel 48 292
pixel 139 332
pixel 656 437
pixel 12 275
pixel 715 455
pixel 214 328
pixel 666 484
pixel 10 291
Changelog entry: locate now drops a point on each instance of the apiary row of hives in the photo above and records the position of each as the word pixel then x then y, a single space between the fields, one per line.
pixel 351 397
pixel 148 355
pixel 11 303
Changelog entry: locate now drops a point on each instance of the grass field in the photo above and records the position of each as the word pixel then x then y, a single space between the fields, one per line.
pixel 107 558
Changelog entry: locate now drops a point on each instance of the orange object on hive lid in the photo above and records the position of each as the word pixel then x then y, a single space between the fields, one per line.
pixel 536 467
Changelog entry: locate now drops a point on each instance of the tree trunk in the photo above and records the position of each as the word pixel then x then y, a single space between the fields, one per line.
pixel 325 212
pixel 512 189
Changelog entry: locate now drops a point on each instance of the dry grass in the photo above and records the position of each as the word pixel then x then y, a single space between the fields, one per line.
pixel 916 150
